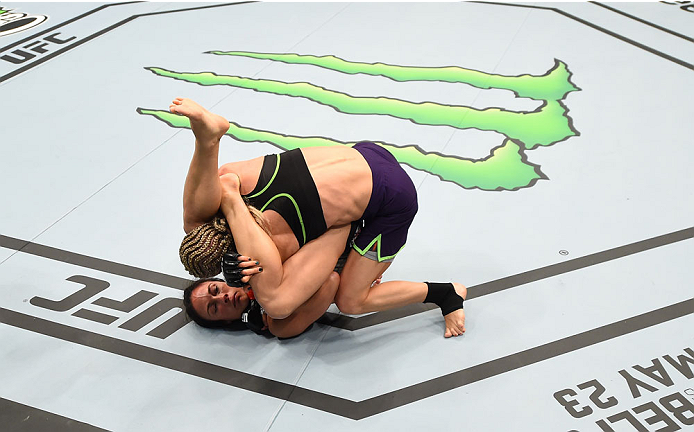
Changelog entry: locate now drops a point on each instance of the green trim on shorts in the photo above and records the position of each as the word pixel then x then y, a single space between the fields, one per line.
pixel 377 240
pixel 277 168
pixel 296 206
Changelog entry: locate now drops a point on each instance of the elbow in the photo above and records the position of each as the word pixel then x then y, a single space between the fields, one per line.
pixel 224 169
pixel 276 310
pixel 189 224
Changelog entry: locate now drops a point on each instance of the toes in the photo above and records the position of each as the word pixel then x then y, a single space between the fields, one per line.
pixel 455 330
pixel 461 328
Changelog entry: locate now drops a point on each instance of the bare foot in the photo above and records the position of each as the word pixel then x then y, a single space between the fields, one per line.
pixel 207 127
pixel 455 321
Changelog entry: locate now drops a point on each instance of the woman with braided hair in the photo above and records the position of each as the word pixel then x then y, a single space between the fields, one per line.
pixel 293 212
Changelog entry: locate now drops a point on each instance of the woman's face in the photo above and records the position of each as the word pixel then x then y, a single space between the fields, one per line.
pixel 216 300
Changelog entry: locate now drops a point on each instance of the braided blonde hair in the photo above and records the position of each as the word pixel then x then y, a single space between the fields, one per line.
pixel 203 248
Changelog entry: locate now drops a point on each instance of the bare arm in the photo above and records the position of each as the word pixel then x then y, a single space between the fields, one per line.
pixel 251 240
pixel 307 313
pixel 280 289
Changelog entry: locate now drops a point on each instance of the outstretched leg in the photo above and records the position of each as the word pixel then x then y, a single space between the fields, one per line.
pixel 357 293
pixel 202 193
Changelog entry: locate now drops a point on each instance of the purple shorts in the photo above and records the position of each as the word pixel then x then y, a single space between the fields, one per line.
pixel 391 208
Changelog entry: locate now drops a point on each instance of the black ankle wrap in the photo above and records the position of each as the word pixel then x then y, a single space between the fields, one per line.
pixel 445 297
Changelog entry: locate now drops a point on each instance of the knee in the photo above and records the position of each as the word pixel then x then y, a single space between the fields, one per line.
pixel 333 281
pixel 348 304
pixel 329 287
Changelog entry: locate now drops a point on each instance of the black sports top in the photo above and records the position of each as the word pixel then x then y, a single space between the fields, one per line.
pixel 285 185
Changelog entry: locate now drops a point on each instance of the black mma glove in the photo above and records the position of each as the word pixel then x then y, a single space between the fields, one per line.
pixel 253 317
pixel 230 269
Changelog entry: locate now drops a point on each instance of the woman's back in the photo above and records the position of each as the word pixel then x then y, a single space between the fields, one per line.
pixel 340 173
pixel 343 180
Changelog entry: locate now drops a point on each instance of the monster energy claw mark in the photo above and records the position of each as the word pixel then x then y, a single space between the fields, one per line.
pixel 506 168
pixel 553 85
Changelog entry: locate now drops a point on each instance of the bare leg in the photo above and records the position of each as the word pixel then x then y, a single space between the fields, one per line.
pixel 356 294
pixel 202 193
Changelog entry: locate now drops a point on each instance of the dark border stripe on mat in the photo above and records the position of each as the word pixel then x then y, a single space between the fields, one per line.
pixel 94 263
pixel 104 31
pixel 643 21
pixel 487 288
pixel 596 27
pixel 17 417
pixel 201 369
pixel 522 359
pixel 333 404
pixel 343 321
pixel 62 24
pixel 559 11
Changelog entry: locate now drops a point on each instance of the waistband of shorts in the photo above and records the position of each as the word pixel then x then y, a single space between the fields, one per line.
pixel 368 148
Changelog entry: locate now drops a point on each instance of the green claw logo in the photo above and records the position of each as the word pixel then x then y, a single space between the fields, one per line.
pixel 506 168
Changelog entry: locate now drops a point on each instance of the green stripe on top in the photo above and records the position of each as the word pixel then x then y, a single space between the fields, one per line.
pixel 380 258
pixel 296 206
pixel 277 168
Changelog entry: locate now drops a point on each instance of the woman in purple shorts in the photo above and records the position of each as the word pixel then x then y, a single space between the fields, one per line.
pixel 392 205
pixel 293 212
